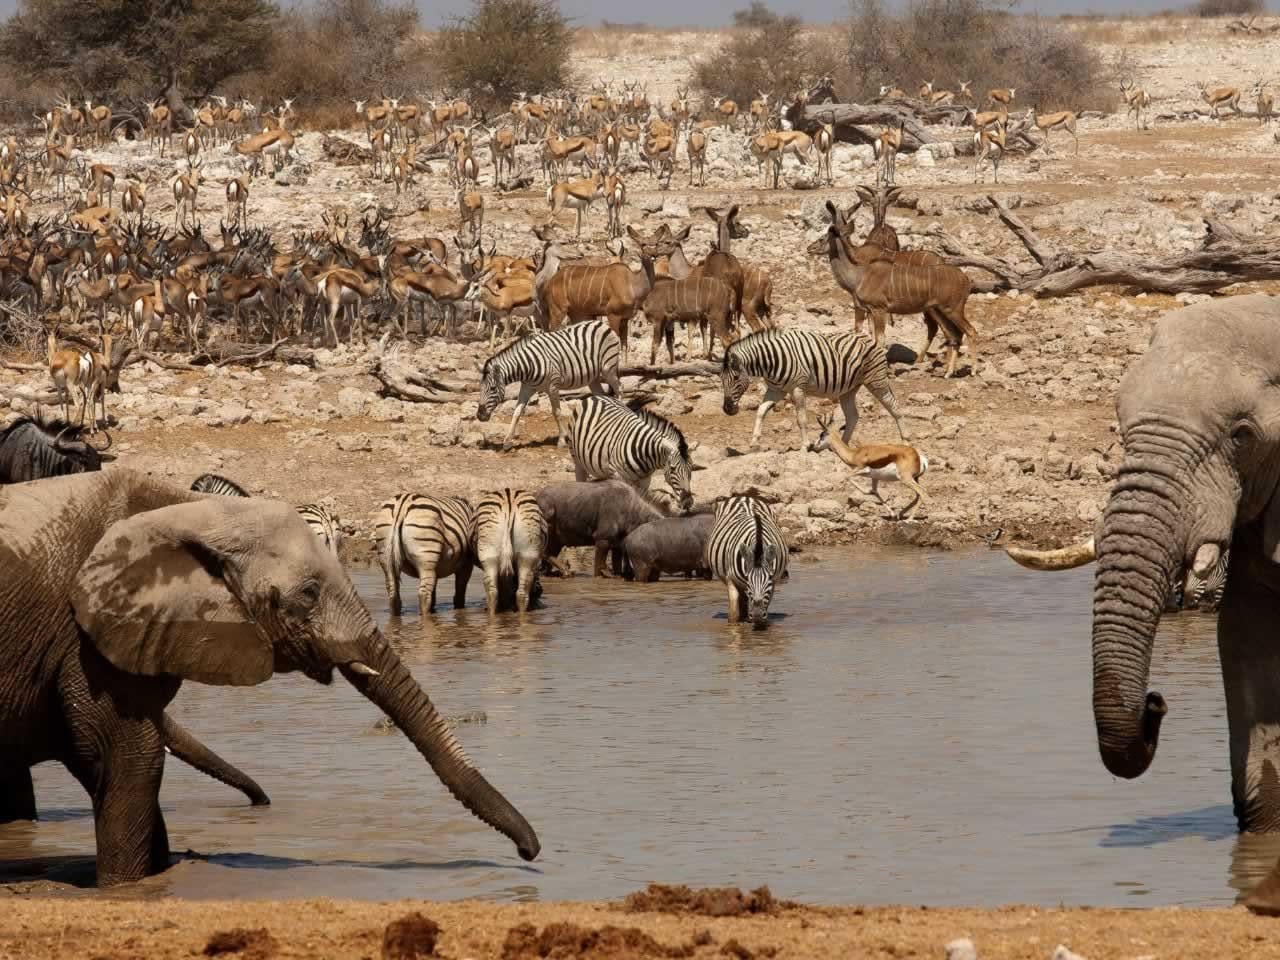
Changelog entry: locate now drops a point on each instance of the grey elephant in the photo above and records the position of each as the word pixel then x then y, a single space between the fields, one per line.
pixel 1200 419
pixel 117 587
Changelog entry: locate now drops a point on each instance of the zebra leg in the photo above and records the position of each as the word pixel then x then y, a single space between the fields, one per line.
pixel 797 398
pixel 489 566
pixel 771 396
pixel 391 574
pixel 526 571
pixel 849 406
pixel 461 577
pixel 611 378
pixel 427 591
pixel 553 393
pixel 735 601
pixel 526 394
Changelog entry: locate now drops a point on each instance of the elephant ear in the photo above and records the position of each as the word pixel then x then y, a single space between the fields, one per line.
pixel 154 595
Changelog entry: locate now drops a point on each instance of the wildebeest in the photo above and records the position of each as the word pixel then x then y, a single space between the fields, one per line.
pixel 669 545
pixel 30 450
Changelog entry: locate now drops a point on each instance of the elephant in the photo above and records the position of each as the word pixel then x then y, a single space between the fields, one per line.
pixel 1199 416
pixel 119 586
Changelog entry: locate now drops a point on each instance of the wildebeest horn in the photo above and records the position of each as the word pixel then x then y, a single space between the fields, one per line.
pixel 1065 558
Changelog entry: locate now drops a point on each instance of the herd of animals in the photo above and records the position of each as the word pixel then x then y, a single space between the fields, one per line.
pixel 133 584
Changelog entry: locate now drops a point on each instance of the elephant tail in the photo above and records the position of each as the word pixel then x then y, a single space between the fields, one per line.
pixel 183 745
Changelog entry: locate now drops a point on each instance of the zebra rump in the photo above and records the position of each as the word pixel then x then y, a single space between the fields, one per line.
pixel 509 539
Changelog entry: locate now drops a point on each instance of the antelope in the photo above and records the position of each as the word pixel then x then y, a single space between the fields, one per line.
pixel 578 195
pixel 191 146
pixel 255 291
pixel 402 173
pixel 660 154
pixel 680 108
pixel 580 292
pixel 502 146
pixel 1137 100
pixel 964 93
pixel 1048 121
pixel 513 298
pixel 615 198
pixel 441 115
pixel 185 187
pixel 878 461
pixel 1001 96
pixel 56 159
pixel 557 152
pixel 941 98
pixel 382 145
pixel 883 287
pixel 988 117
pixel 160 126
pixel 759 111
pixel 470 210
pixel 767 149
pixel 1220 96
pixel 82 293
pixel 700 300
pixel 104 180
pixel 466 168
pixel 696 144
pixel 608 143
pixel 925 91
pixel 146 310
pixel 133 199
pixel 886 148
pixel 238 198
pixel 441 288
pixel 100 121
pixel 726 109
pixel 824 140
pixel 86 371
pixel 1266 102
pixel 892 93
pixel 989 144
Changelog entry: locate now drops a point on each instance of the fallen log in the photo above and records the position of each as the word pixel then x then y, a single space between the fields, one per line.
pixel 1225 258
pixel 670 371
pixel 225 354
pixel 848 118
pixel 401 383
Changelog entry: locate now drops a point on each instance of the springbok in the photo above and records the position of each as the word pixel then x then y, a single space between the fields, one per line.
pixel 1048 121
pixel 879 461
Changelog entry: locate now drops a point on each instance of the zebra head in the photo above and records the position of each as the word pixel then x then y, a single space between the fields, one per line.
pixel 734 381
pixel 679 473
pixel 758 563
pixel 492 391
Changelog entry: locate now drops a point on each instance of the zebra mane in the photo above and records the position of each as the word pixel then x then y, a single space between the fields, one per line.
pixel 213 483
pixel 662 425
pixel 743 343
pixel 757 556
pixel 509 348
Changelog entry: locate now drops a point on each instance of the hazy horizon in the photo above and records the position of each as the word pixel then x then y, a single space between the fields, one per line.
pixel 680 13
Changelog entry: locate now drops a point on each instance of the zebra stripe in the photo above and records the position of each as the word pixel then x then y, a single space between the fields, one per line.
pixel 428 538
pixel 609 440
pixel 748 554
pixel 1205 592
pixel 831 366
pixel 579 355
pixel 508 540
pixel 322 520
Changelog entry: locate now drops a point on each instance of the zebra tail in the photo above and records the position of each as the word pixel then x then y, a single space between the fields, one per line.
pixel 393 549
pixel 506 550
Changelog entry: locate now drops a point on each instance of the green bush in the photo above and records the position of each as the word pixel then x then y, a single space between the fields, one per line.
pixel 1228 8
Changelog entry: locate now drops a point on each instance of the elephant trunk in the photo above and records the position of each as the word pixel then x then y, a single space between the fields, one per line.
pixel 189 750
pixel 394 690
pixel 1140 547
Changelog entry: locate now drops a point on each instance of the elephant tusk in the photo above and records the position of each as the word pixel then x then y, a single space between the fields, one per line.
pixel 355 666
pixel 1066 558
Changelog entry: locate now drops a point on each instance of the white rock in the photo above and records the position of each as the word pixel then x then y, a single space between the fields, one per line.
pixel 1062 953
pixel 962 949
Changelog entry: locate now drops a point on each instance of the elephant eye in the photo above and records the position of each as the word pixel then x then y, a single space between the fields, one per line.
pixel 1244 431
pixel 308 595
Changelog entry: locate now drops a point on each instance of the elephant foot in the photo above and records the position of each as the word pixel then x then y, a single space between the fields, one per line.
pixel 1265 898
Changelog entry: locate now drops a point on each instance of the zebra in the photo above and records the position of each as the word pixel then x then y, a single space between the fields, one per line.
pixel 608 439
pixel 1204 592
pixel 797 362
pixel 747 552
pixel 580 355
pixel 429 538
pixel 322 520
pixel 508 539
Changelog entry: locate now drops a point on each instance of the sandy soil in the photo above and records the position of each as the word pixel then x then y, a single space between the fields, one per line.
pixel 57 929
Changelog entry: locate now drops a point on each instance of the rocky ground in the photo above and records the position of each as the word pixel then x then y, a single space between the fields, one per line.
pixel 122 930
pixel 1026 442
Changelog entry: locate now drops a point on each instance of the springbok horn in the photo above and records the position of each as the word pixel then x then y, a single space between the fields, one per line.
pixel 107 446
pixel 1065 558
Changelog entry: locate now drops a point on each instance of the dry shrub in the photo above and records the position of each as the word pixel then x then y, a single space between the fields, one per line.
pixel 767 53
pixel 949 41
pixel 504 47
pixel 1228 8
pixel 341 49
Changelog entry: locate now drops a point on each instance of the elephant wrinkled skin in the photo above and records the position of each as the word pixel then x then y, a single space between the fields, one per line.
pixel 118 587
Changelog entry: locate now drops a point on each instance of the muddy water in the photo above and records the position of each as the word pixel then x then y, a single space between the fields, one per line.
pixel 910 728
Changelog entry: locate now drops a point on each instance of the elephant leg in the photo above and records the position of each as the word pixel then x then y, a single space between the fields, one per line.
pixel 1251 680
pixel 131 837
pixel 17 795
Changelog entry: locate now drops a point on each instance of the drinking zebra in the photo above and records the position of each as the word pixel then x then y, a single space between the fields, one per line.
pixel 323 521
pixel 800 362
pixel 747 553
pixel 508 541
pixel 428 538
pixel 608 439
pixel 580 355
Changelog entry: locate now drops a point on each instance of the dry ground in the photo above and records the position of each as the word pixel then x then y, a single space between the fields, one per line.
pixel 338 930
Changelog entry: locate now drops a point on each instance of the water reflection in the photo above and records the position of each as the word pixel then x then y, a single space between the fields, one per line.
pixel 906 719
